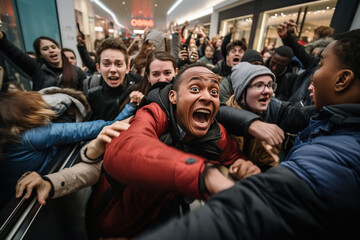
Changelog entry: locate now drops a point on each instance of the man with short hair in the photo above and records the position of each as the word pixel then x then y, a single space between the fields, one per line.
pixel 314 193
pixel 163 155
pixel 234 52
pixel 110 94
pixel 281 65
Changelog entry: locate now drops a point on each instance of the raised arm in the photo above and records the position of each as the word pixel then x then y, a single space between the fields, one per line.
pixel 84 54
pixel 286 33
pixel 19 57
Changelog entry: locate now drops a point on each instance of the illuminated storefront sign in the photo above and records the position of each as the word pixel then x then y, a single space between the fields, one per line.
pixel 142 22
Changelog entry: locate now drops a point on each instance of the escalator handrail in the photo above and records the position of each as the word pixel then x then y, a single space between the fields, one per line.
pixel 16 219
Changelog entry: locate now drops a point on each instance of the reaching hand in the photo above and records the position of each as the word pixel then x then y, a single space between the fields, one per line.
pixel 268 132
pixel 1 35
pixel 79 39
pixel 241 169
pixel 31 181
pixel 284 27
pixel 136 96
pixel 97 146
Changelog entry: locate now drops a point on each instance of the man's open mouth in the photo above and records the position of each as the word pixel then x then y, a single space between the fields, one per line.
pixel 202 116
pixel 236 60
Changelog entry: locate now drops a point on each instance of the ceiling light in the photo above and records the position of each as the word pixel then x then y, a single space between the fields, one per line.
pixel 173 7
pixel 106 9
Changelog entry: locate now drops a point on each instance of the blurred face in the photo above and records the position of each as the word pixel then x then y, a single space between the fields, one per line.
pixel 271 45
pixel 112 67
pixel 149 48
pixel 218 43
pixel 71 57
pixel 197 101
pixel 325 78
pixel 50 53
pixel 266 56
pixel 258 96
pixel 209 52
pixel 234 56
pixel 278 64
pixel 161 71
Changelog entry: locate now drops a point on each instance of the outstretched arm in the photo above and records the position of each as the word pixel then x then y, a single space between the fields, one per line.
pixel 69 180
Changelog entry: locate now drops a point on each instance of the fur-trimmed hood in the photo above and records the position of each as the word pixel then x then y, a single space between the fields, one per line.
pixel 69 104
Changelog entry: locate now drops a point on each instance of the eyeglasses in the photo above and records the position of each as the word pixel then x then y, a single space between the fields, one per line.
pixel 260 87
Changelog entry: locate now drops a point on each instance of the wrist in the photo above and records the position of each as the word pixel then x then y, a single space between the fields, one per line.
pixel 216 182
pixel 50 185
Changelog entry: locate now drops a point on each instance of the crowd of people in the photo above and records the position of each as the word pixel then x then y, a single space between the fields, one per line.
pixel 268 140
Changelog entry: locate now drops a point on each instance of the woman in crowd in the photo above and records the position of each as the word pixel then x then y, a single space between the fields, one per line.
pixel 29 140
pixel 160 67
pixel 254 86
pixel 70 55
pixel 51 67
pixel 208 57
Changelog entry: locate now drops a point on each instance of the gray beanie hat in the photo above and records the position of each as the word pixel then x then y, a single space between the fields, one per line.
pixel 243 73
pixel 157 38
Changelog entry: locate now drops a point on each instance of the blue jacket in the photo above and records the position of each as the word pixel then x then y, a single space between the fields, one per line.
pixel 38 146
pixel 327 156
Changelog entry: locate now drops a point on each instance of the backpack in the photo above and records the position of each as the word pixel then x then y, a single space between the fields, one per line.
pixel 91 82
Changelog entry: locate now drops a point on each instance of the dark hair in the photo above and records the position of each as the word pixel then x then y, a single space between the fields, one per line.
pixel 285 51
pixel 92 54
pixel 211 46
pixel 112 43
pixel 235 43
pixel 144 85
pixel 68 50
pixel 347 50
pixel 324 31
pixel 178 79
pixel 68 73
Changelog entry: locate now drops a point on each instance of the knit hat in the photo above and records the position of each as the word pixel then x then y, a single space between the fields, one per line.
pixel 285 51
pixel 157 38
pixel 251 55
pixel 243 73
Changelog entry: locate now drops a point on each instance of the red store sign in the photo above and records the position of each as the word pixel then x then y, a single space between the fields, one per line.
pixel 142 22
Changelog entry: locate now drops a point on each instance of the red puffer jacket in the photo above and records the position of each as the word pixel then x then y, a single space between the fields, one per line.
pixel 153 172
